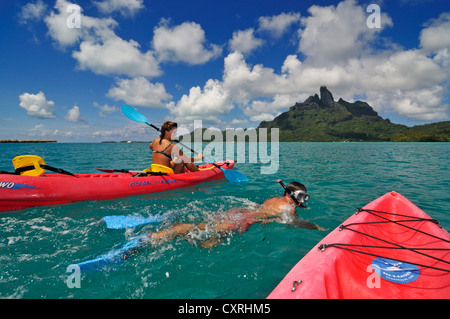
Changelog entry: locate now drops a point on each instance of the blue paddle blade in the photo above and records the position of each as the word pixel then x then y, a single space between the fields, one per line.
pixel 123 221
pixel 113 257
pixel 231 175
pixel 234 176
pixel 134 115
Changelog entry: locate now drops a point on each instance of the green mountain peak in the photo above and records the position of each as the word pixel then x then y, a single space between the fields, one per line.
pixel 321 119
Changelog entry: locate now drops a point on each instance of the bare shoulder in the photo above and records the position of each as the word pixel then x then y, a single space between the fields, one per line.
pixel 271 201
pixel 163 144
pixel 271 206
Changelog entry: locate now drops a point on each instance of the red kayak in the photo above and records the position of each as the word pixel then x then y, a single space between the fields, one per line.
pixel 388 249
pixel 20 191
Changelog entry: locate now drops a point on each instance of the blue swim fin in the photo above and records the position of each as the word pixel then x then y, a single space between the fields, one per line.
pixel 115 256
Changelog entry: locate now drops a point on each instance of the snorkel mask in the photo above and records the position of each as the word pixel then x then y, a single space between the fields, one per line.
pixel 299 197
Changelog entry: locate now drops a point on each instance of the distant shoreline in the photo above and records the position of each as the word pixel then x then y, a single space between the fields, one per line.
pixel 28 141
pixel 125 142
pixel 208 141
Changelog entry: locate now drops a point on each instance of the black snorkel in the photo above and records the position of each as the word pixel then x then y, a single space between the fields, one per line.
pixel 297 203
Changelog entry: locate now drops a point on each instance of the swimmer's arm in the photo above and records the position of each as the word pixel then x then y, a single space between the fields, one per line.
pixel 265 214
pixel 263 217
pixel 266 219
pixel 298 223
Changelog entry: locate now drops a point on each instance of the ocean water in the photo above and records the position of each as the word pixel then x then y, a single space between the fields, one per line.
pixel 38 244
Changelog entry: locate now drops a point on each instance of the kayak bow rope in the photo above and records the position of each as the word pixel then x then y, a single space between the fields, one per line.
pixel 400 222
pixel 231 175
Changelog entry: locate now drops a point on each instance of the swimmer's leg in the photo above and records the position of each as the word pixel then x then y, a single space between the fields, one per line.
pixel 210 242
pixel 174 231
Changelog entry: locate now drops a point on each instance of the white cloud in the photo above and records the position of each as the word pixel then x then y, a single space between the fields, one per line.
pixel 416 92
pixel 262 117
pixel 422 104
pixel 435 40
pixel 244 41
pixel 386 77
pixel 37 105
pixel 204 104
pixel 183 43
pixel 396 71
pixel 57 28
pixel 418 104
pixel 339 53
pixel 37 127
pixel 74 115
pixel 105 109
pixel 242 83
pixel 436 36
pixel 32 12
pixel 139 91
pixel 336 47
pixel 279 24
pixel 267 110
pixel 124 7
pixel 291 64
pixel 255 88
pixel 443 59
pixel 116 56
pixel 248 82
pixel 335 34
pixel 90 29
pixel 87 133
pixel 100 49
pixel 238 122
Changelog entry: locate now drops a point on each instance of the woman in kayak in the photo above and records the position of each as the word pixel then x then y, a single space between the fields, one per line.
pixel 167 154
pixel 279 209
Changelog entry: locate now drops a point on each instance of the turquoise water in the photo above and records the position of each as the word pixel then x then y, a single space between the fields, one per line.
pixel 38 244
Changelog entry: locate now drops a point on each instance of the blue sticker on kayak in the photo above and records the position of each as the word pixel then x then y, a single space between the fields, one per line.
pixel 395 271
pixel 11 185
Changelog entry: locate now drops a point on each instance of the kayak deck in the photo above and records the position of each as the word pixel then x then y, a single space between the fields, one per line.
pixel 388 249
pixel 20 192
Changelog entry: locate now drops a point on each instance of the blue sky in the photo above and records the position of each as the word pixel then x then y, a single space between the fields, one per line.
pixel 65 76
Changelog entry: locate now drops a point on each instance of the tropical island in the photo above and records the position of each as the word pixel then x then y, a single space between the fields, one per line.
pixel 28 141
pixel 321 119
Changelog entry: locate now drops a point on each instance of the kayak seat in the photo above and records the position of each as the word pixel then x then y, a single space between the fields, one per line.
pixel 24 165
pixel 207 168
pixel 159 168
pixel 164 169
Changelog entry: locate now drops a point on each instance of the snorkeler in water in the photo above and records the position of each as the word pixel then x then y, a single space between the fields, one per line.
pixel 276 209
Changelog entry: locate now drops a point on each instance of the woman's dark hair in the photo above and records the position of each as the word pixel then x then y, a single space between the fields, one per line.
pixel 295 186
pixel 167 126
